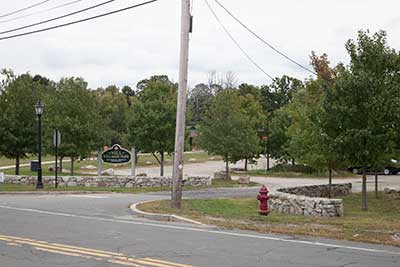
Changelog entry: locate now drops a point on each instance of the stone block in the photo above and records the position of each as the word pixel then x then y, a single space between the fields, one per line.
pixel 244 179
pixel 221 175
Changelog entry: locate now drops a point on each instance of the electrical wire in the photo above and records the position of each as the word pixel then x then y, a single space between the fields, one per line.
pixel 40 12
pixel 23 9
pixel 77 21
pixel 236 43
pixel 57 18
pixel 263 41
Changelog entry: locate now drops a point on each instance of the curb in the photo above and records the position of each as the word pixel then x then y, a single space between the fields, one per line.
pixel 160 217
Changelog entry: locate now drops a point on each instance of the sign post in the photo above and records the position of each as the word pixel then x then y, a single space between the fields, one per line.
pixel 56 142
pixel 99 164
pixel 266 153
pixel 133 163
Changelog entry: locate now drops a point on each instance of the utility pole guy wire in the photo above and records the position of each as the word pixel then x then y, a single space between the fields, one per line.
pixel 263 41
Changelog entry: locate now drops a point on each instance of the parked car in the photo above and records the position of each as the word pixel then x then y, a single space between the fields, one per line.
pixel 392 167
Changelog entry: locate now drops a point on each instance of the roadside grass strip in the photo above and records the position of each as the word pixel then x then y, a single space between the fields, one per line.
pixel 87 253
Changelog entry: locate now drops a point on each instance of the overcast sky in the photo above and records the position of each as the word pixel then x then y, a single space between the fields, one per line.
pixel 124 48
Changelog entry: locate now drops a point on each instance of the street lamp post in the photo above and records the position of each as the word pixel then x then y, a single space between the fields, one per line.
pixel 39 108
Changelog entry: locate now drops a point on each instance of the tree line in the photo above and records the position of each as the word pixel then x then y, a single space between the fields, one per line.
pixel 345 116
pixel 348 115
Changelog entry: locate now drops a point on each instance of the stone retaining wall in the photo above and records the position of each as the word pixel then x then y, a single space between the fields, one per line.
pixel 108 181
pixel 309 200
pixel 319 190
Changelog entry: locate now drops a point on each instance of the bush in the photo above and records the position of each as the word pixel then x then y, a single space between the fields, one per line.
pixel 293 168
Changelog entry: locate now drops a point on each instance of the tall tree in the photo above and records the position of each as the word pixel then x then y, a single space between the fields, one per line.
pixel 363 104
pixel 114 112
pixel 279 93
pixel 199 99
pixel 228 129
pixel 129 94
pixel 151 125
pixel 18 120
pixel 274 98
pixel 74 111
pixel 312 143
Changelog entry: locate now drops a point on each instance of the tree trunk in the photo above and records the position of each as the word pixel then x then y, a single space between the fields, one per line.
pixel 330 182
pixel 364 191
pixel 376 184
pixel 226 169
pixel 17 165
pixel 72 166
pixel 162 164
pixel 61 162
pixel 245 165
pixel 293 162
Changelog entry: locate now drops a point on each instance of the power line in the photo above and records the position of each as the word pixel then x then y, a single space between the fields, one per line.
pixel 263 41
pixel 77 21
pixel 236 43
pixel 23 9
pixel 57 18
pixel 40 12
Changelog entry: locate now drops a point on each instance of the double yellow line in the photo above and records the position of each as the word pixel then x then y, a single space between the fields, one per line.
pixel 87 253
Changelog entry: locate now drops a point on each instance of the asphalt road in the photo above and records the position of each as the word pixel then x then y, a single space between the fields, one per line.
pixel 99 230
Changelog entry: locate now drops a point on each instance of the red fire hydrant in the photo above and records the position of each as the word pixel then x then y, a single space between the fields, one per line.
pixel 262 198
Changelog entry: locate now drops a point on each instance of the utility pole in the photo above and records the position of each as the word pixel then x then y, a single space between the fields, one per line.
pixel 176 195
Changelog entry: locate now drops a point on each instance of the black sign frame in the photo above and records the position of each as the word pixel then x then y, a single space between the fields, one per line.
pixel 116 155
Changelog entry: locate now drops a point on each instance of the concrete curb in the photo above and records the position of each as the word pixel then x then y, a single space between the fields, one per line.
pixel 160 217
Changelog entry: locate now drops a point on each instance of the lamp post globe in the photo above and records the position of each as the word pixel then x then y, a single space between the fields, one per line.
pixel 39 109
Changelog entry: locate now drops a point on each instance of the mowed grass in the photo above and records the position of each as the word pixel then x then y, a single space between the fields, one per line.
pixel 10 162
pixel 380 224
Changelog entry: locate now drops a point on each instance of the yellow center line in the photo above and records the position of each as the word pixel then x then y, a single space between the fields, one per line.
pixel 63 249
pixel 87 257
pixel 100 255
pixel 65 246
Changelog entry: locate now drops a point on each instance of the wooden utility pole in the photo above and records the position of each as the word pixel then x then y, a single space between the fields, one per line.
pixel 176 195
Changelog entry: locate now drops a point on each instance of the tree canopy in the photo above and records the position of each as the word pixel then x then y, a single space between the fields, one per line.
pixel 151 123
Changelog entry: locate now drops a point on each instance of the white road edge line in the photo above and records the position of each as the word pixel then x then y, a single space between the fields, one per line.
pixel 304 242
pixel 87 196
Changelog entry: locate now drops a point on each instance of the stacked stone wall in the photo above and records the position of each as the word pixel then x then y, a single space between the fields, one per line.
pixel 319 190
pixel 310 200
pixel 108 181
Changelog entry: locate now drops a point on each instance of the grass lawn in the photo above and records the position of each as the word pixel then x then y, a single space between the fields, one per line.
pixel 288 174
pixel 9 162
pixel 381 224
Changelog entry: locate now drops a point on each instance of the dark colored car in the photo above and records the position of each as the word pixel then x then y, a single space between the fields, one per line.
pixel 392 167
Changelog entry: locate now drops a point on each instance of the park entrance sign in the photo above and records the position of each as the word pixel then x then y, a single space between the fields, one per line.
pixel 116 155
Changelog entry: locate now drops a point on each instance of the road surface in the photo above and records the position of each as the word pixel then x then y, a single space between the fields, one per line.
pixel 99 230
